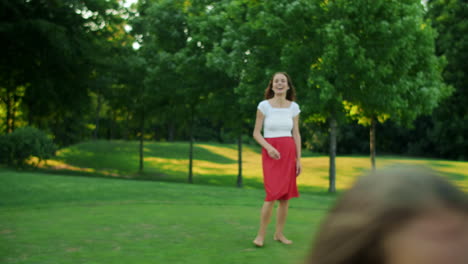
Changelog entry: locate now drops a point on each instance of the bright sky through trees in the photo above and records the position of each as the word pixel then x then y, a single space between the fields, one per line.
pixel 128 3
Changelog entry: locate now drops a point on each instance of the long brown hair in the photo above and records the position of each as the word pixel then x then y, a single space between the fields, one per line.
pixel 376 205
pixel 290 94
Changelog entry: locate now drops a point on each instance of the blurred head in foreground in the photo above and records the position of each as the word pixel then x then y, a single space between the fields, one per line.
pixel 396 216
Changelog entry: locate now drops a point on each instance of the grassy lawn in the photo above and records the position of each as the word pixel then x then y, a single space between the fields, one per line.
pixel 60 219
pixel 104 215
pixel 216 164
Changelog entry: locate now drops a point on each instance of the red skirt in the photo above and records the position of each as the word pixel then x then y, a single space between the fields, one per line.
pixel 279 176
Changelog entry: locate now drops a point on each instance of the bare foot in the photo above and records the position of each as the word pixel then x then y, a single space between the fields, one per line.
pixel 258 242
pixel 282 239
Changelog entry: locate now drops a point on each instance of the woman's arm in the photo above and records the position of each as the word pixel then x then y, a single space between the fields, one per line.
pixel 259 138
pixel 297 139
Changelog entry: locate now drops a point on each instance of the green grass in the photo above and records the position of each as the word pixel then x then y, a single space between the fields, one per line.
pixel 60 219
pixel 115 215
pixel 216 164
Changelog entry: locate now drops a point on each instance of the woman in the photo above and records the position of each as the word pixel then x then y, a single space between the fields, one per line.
pixel 278 114
pixel 400 215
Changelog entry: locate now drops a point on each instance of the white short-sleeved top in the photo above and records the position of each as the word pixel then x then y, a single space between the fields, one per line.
pixel 278 122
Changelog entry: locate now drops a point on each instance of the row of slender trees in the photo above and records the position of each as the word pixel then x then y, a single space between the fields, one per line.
pixel 179 69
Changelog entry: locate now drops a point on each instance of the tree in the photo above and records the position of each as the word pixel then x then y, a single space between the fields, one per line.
pixel 450 119
pixel 133 72
pixel 258 39
pixel 176 60
pixel 210 89
pixel 48 67
pixel 381 58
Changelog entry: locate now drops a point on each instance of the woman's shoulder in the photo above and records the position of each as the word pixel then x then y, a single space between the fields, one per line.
pixel 263 107
pixel 294 104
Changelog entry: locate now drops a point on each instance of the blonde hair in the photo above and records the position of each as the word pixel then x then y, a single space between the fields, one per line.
pixel 376 205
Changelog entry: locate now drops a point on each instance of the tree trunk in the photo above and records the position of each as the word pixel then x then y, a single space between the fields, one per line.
pixel 127 127
pixel 13 111
pixel 332 167
pixel 142 127
pixel 155 133
pixel 190 176
pixel 372 142
pixel 239 160
pixel 30 116
pixel 98 110
pixel 220 134
pixel 170 136
pixel 8 112
pixel 111 115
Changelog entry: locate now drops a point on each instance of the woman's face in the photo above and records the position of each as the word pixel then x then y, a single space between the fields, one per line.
pixel 280 84
pixel 437 238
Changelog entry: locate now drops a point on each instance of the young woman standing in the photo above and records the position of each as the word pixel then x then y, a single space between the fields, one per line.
pixel 278 115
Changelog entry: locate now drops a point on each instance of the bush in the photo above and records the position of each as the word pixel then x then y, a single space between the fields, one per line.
pixel 24 143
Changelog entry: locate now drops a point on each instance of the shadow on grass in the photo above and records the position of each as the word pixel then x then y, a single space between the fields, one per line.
pixel 74 173
pixel 122 154
pixel 204 180
pixel 248 183
pixel 118 159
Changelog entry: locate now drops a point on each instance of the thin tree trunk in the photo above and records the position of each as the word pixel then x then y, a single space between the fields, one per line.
pixel 8 112
pixel 220 134
pixel 127 130
pixel 239 160
pixel 372 142
pixel 142 126
pixel 332 167
pixel 155 132
pixel 190 176
pixel 13 112
pixel 98 110
pixel 30 117
pixel 111 115
pixel 170 136
pixel 5 102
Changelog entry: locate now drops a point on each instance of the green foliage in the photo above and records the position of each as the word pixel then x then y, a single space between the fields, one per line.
pixel 380 59
pixel 260 38
pixel 449 131
pixel 70 69
pixel 24 143
pixel 55 49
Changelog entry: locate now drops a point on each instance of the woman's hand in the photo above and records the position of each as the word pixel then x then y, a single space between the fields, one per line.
pixel 298 167
pixel 273 153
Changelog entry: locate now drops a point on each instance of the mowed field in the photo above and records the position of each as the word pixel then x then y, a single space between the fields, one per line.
pixel 216 164
pixel 50 218
pixel 89 205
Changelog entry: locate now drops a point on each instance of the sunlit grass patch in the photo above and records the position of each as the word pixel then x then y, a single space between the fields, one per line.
pixel 216 164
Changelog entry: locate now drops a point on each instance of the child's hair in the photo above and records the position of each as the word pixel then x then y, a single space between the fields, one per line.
pixel 376 205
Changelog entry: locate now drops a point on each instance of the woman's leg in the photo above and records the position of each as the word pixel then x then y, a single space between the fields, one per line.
pixel 281 220
pixel 265 217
